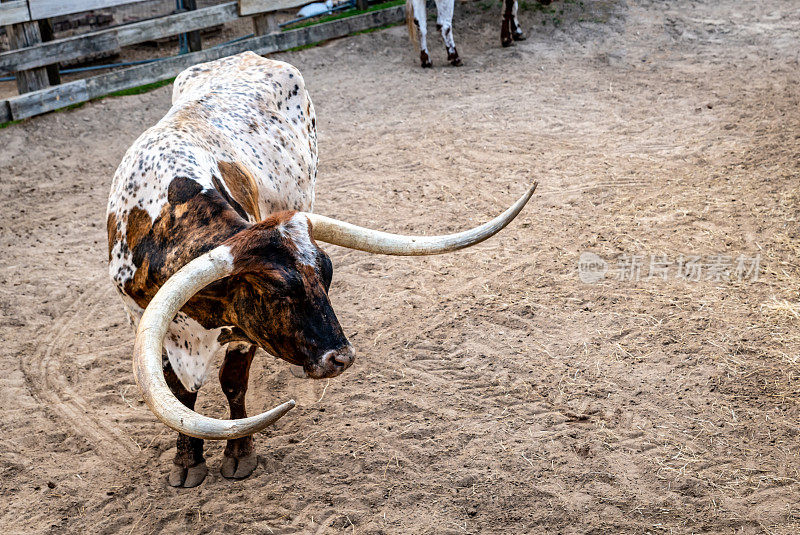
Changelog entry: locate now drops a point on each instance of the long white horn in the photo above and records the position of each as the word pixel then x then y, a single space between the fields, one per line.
pixel 351 236
pixel 147 366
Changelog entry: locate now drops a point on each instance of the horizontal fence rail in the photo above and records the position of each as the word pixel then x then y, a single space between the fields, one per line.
pixel 14 12
pixel 27 10
pixel 60 96
pixel 44 9
pixel 71 48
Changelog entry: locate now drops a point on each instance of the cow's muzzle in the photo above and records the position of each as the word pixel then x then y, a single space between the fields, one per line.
pixel 331 363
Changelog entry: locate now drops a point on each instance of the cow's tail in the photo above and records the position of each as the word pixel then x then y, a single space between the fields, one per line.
pixel 413 30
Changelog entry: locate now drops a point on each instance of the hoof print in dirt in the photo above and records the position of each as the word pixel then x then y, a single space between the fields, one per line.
pixel 239 467
pixel 187 477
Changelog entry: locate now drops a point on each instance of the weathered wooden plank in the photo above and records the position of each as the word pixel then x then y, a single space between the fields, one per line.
pixel 254 7
pixel 14 12
pixel 150 30
pixel 43 9
pixel 72 48
pixel 101 85
pixel 48 99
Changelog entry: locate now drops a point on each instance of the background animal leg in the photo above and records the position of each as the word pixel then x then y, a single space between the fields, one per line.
pixel 516 32
pixel 190 466
pixel 240 458
pixel 509 16
pixel 444 21
pixel 421 22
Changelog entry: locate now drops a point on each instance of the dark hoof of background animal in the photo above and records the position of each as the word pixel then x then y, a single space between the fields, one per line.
pixel 425 60
pixel 239 467
pixel 520 36
pixel 507 42
pixel 187 477
pixel 454 60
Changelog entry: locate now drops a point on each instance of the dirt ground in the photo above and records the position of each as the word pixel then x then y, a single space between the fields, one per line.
pixel 493 392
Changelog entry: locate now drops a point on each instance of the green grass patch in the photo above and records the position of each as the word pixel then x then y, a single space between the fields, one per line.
pixel 138 90
pixel 70 107
pixel 303 47
pixel 385 26
pixel 343 15
pixel 10 123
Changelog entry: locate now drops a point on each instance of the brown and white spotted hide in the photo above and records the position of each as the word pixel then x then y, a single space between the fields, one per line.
pixel 229 164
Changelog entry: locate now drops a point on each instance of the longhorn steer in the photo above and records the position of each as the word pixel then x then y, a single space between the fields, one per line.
pixel 212 244
pixel 417 21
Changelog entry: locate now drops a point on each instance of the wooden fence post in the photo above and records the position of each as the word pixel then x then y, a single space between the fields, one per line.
pixel 194 40
pixel 19 36
pixel 265 24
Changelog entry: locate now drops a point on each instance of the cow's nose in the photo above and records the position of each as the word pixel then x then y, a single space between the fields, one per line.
pixel 338 360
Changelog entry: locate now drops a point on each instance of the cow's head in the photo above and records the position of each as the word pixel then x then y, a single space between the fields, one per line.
pixel 279 282
pixel 279 295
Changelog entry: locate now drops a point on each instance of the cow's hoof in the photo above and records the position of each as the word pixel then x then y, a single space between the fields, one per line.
pixel 507 43
pixel 425 61
pixel 519 36
pixel 239 467
pixel 454 59
pixel 188 477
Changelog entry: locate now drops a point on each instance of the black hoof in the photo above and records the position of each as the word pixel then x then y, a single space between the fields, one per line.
pixel 453 58
pixel 187 477
pixel 520 36
pixel 239 467
pixel 425 60
pixel 507 43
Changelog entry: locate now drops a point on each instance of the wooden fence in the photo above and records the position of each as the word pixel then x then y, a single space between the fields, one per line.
pixel 33 57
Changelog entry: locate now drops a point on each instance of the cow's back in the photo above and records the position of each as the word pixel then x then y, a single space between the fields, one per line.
pixel 240 138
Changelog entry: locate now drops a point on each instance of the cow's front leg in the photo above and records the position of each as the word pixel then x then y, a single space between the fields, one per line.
pixel 444 21
pixel 240 458
pixel 510 31
pixel 421 22
pixel 189 468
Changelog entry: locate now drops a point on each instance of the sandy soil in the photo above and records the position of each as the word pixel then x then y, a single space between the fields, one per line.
pixel 494 392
